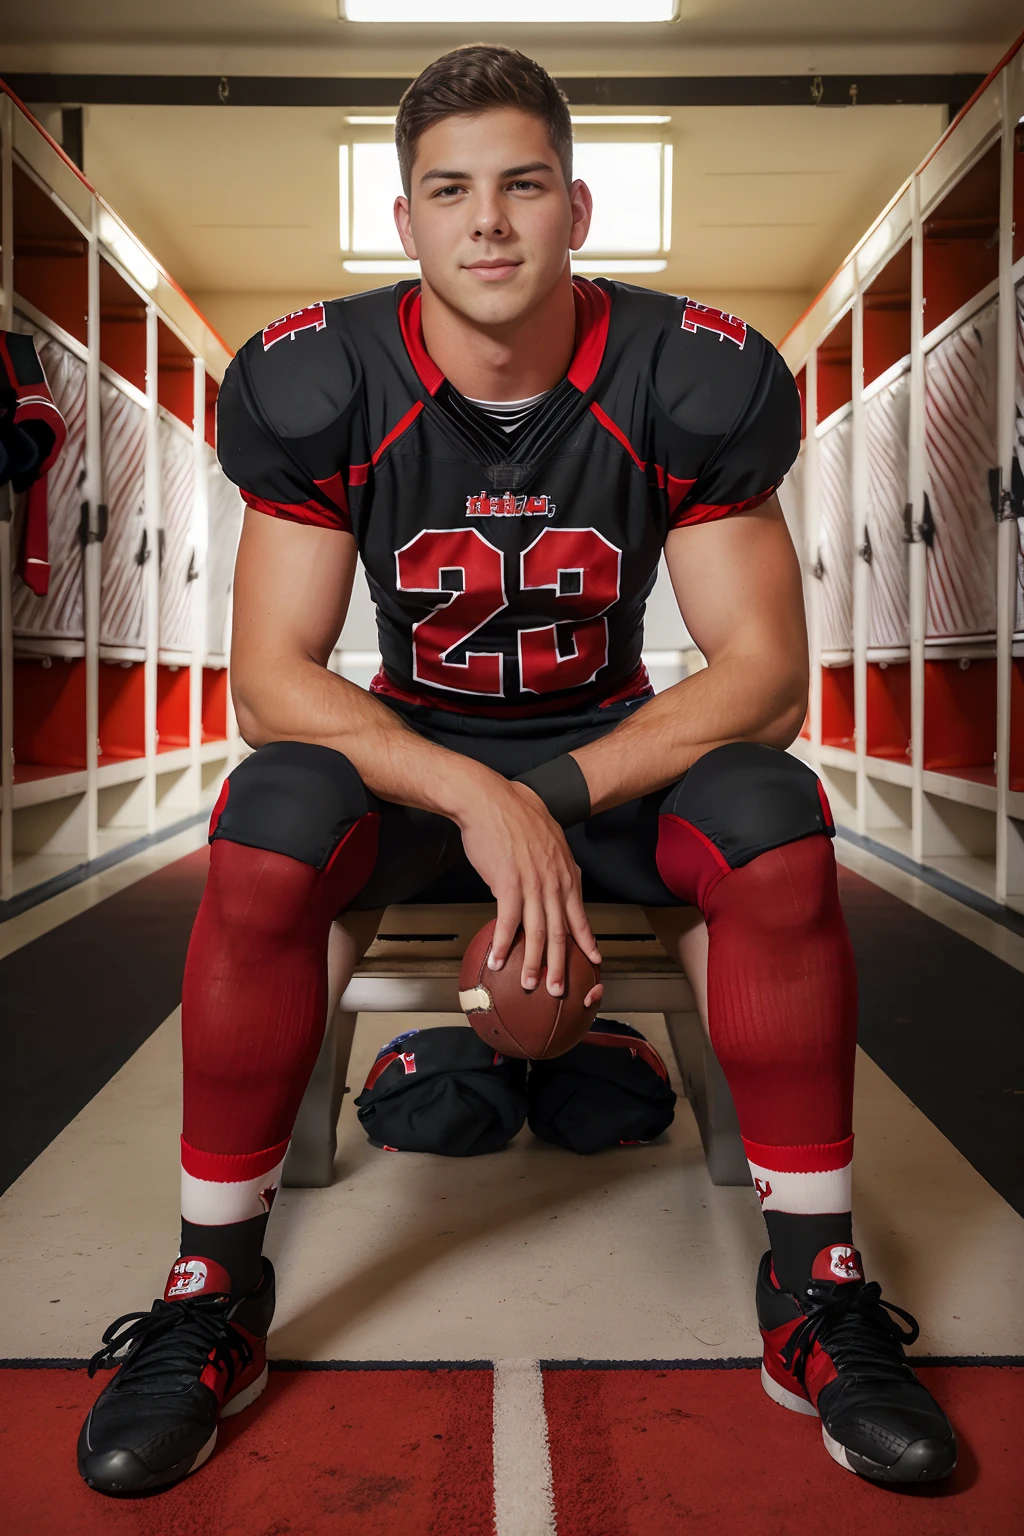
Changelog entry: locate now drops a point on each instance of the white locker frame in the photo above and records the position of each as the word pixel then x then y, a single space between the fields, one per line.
pixel 154 794
pixel 900 805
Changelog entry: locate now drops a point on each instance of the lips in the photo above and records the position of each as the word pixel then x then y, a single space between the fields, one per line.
pixel 489 271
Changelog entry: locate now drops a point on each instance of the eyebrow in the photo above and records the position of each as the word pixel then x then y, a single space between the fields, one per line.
pixel 515 170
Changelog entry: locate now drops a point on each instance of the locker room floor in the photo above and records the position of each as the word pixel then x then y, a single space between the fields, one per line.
pixel 628 1276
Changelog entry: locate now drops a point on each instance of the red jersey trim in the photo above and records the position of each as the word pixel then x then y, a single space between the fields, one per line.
pixel 593 314
pixel 708 512
pixel 309 512
pixel 617 432
pixel 334 489
pixel 396 432
pixel 636 686
pixel 411 326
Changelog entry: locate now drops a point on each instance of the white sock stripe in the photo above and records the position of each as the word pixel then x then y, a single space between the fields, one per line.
pixel 804 1194
pixel 523 1495
pixel 212 1204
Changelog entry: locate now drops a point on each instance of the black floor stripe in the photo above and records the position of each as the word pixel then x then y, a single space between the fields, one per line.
pixel 944 1019
pixel 80 1000
pixel 986 905
pixel 37 894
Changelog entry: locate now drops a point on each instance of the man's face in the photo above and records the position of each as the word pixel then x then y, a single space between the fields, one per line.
pixel 489 217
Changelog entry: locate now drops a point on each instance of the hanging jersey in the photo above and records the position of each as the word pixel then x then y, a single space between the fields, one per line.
pixel 510 571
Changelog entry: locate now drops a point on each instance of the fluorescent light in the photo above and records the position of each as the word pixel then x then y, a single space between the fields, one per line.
pixel 666 198
pixel 365 268
pixel 128 252
pixel 344 227
pixel 613 264
pixel 593 121
pixel 522 12
pixel 372 122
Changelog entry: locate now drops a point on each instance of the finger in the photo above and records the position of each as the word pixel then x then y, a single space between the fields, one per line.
pixel 510 911
pixel 594 996
pixel 579 924
pixel 557 931
pixel 534 927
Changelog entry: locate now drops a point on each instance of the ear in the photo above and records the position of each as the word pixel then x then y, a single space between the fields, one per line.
pixel 403 224
pixel 582 205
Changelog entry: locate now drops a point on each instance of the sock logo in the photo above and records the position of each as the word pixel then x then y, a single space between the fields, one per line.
pixel 189 1276
pixel 764 1189
pixel 266 1197
pixel 843 1263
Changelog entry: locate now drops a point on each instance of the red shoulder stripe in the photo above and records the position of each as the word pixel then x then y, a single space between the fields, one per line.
pixel 708 512
pixel 617 432
pixel 310 512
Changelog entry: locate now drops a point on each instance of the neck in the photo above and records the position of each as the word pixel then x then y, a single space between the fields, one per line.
pixel 502 362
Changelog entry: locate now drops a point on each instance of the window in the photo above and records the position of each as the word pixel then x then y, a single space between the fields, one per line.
pixel 630 186
pixel 631 182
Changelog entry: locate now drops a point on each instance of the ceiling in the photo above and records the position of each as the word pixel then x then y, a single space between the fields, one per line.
pixel 315 22
pixel 240 204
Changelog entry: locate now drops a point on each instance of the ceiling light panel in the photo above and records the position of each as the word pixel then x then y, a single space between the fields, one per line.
pixel 522 12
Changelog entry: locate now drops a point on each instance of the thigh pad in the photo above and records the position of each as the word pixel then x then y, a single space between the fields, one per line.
pixel 747 798
pixel 294 798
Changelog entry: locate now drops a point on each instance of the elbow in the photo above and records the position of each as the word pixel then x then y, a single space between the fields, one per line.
pixel 251 729
pixel 789 714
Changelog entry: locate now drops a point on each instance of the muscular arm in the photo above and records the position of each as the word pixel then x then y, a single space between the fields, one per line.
pixel 292 589
pixel 737 582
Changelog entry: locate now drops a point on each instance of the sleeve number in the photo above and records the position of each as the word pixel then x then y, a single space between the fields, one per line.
pixel 577 565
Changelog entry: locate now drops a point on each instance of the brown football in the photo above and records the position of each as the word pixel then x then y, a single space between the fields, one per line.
pixel 532 1025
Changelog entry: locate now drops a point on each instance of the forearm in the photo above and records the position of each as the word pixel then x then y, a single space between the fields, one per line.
pixel 739 698
pixel 296 699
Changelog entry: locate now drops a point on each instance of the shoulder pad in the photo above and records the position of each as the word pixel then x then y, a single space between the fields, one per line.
pixel 709 363
pixel 302 369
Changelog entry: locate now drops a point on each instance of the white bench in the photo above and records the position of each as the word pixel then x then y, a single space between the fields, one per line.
pixel 413 967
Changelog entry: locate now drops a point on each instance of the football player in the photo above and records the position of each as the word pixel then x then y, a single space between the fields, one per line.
pixel 509 451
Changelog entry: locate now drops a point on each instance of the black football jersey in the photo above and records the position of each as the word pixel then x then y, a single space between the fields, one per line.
pixel 510 573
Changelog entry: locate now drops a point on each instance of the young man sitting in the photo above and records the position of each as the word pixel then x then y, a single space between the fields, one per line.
pixel 510 451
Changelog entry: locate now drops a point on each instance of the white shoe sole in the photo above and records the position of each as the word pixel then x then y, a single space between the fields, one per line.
pixel 236 1405
pixel 797 1404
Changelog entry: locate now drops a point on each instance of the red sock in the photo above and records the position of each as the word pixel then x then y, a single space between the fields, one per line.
pixel 253 1012
pixel 782 1011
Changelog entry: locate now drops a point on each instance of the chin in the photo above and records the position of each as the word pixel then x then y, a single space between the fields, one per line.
pixel 498 306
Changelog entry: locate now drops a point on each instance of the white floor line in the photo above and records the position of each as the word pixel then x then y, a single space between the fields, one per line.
pixel 981 930
pixel 523 1496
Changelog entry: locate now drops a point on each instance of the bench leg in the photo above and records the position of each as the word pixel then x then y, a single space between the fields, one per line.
pixel 708 1093
pixel 310 1160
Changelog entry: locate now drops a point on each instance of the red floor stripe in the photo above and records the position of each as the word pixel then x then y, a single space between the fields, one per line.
pixel 656 1453
pixel 362 1453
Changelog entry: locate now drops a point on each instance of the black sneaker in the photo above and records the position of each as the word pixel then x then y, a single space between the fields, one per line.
pixel 198 1355
pixel 834 1351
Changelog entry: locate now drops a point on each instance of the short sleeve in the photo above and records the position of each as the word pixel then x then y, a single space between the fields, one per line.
pixel 733 415
pixel 284 424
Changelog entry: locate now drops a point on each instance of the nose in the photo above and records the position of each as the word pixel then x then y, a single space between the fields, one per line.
pixel 489 219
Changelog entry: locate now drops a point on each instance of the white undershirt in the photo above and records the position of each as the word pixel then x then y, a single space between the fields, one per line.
pixel 508 413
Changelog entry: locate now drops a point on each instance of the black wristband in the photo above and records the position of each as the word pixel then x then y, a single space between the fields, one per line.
pixel 562 786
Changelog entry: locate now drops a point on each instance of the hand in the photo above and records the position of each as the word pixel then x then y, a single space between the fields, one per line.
pixel 521 852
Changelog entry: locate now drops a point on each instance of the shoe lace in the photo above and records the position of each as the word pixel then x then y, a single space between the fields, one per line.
pixel 167 1347
pixel 853 1323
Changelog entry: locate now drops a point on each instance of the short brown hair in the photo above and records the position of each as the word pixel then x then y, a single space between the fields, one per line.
pixel 472 79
